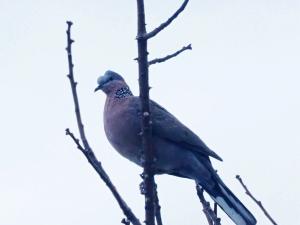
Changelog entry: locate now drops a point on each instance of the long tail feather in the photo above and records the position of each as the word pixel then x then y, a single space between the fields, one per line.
pixel 231 205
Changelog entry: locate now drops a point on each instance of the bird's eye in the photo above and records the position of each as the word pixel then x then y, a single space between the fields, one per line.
pixel 110 79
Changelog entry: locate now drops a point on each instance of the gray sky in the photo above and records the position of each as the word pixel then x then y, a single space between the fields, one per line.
pixel 238 90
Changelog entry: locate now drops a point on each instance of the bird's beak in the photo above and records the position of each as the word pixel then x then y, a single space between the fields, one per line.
pixel 101 82
pixel 98 88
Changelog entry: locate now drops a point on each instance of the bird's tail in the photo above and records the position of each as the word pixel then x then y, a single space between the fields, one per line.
pixel 230 204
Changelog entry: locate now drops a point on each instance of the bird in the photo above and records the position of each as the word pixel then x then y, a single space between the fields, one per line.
pixel 178 150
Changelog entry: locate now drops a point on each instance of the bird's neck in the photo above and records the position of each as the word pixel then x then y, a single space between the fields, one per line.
pixel 123 92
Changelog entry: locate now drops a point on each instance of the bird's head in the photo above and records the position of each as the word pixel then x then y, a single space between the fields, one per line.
pixel 110 82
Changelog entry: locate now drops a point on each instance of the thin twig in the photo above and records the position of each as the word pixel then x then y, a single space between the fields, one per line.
pixel 160 60
pixel 211 217
pixel 238 177
pixel 74 85
pixel 148 173
pixel 166 23
pixel 86 149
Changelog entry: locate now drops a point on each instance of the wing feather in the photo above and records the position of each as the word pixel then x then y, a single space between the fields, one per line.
pixel 167 126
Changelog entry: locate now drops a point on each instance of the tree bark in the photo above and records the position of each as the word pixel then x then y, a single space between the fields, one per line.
pixel 148 153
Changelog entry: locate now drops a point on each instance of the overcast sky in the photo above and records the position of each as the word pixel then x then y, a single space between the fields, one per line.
pixel 238 89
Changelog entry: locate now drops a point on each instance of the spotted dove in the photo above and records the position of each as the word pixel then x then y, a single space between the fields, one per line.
pixel 178 151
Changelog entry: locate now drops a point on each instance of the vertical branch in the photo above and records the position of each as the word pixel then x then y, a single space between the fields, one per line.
pixel 157 208
pixel 74 85
pixel 146 116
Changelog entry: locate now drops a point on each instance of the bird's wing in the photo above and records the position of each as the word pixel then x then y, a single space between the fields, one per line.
pixel 166 126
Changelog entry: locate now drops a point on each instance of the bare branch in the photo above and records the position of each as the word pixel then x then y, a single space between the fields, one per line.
pixel 77 141
pixel 148 152
pixel 125 221
pixel 86 149
pixel 89 154
pixel 166 23
pixel 160 60
pixel 156 200
pixel 216 208
pixel 157 208
pixel 210 214
pixel 238 177
pixel 73 85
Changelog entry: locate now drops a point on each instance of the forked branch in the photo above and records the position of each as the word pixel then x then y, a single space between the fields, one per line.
pixel 238 177
pixel 86 149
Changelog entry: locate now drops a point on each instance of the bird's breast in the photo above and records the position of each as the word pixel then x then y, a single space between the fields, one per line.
pixel 121 125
